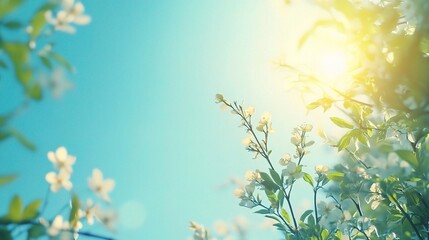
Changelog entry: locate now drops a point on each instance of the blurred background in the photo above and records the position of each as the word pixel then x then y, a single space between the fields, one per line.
pixel 141 108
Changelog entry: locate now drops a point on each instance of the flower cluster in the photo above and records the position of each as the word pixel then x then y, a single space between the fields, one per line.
pixel 71 13
pixel 63 229
pixel 246 193
pixel 63 163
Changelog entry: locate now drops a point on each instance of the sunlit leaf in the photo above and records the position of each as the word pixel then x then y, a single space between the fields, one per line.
pixel 307 177
pixel 324 234
pixel 342 123
pixel 344 141
pixel 335 176
pixel 285 215
pixel 409 157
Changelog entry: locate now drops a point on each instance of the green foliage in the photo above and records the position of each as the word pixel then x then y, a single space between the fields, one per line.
pixel 18 214
pixel 5 179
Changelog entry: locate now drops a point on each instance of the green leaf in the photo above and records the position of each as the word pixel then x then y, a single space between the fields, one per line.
pixel 5 234
pixel 31 210
pixel 15 208
pixel 7 179
pixel 271 197
pixel 338 234
pixel 7 6
pixel 344 141
pixel 335 176
pixel 361 136
pixel 324 233
pixel 307 177
pixel 36 231
pixel 74 216
pixel 268 182
pixel 19 54
pixel 305 215
pixel 39 20
pixel 263 211
pixel 311 221
pixel 313 105
pixel 342 123
pixel 409 157
pixel 46 62
pixel 13 25
pixel 285 215
pixel 35 92
pixel 281 198
pixel 61 61
pixel 23 140
pixel 275 177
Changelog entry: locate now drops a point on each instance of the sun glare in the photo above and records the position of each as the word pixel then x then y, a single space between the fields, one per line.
pixel 333 65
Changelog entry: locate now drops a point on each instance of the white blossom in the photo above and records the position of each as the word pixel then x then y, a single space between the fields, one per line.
pixel 100 186
pixel 285 159
pixel 321 169
pixel 58 180
pixel 61 160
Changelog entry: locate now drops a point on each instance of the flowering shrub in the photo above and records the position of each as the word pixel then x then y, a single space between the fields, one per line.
pixel 37 67
pixel 379 189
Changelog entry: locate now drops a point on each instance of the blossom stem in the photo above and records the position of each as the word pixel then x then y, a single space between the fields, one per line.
pixel 357 206
pixel 315 200
pixel 406 216
pixel 291 212
pixel 45 201
pixel 88 234
pixel 249 127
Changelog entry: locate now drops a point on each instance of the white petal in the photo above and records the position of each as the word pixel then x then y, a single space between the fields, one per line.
pixel 97 175
pixel 51 157
pixel 67 185
pixel 78 8
pixel 108 185
pixel 70 160
pixel 82 19
pixel 61 153
pixel 51 177
pixel 67 4
pixel 65 28
pixel 49 18
pixel 55 187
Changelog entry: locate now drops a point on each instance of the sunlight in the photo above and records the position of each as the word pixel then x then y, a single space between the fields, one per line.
pixel 333 64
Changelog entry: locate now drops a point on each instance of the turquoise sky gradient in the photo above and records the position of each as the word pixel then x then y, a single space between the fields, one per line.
pixel 143 110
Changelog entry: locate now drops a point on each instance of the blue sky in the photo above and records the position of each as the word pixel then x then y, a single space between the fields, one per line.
pixel 142 109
